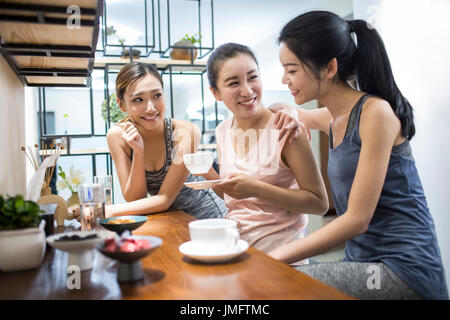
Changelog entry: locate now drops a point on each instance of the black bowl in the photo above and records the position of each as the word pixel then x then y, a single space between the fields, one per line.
pixel 120 228
pixel 129 257
pixel 129 268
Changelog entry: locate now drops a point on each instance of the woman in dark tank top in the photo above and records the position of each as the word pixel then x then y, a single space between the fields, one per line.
pixel 391 248
pixel 144 152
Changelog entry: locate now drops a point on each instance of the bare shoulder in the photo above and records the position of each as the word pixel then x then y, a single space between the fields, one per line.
pixel 378 111
pixel 378 120
pixel 114 132
pixel 297 145
pixel 187 134
pixel 115 141
pixel 185 125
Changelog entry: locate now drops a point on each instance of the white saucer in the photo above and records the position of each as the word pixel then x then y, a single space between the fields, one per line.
pixel 190 250
pixel 197 185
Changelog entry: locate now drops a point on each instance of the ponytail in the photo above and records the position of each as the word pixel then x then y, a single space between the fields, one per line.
pixel 316 37
pixel 374 73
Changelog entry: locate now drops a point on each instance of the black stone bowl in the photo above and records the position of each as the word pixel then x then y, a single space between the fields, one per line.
pixel 120 228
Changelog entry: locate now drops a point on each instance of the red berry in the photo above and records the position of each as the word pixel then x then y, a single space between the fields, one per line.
pixel 128 247
pixel 143 244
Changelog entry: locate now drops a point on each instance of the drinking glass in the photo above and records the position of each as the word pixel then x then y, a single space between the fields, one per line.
pixel 107 184
pixel 92 203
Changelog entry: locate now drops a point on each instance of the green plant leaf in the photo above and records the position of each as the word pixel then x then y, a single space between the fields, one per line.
pixel 61 173
pixel 17 213
pixel 114 110
pixel 196 38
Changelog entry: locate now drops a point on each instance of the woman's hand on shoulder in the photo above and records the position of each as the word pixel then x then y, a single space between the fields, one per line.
pixel 290 119
pixel 289 126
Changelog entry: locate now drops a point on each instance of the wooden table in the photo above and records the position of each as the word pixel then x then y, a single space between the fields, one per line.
pixel 168 274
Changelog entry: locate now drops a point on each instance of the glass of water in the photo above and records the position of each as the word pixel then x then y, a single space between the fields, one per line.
pixel 107 184
pixel 92 203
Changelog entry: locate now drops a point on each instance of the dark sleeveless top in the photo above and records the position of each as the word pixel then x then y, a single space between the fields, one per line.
pixel 401 233
pixel 198 203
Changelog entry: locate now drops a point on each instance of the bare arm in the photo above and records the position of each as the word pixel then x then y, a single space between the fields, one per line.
pixel 173 181
pixel 378 129
pixel 312 195
pixel 131 173
pixel 318 119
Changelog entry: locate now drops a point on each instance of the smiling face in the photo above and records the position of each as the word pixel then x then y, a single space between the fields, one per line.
pixel 300 80
pixel 144 102
pixel 239 86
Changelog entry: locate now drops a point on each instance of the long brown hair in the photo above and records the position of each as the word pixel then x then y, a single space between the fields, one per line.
pixel 130 74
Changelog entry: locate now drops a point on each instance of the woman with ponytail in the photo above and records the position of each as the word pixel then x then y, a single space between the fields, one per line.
pixel 391 248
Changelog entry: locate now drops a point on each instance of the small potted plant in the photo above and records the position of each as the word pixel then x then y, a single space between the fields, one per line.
pixel 22 235
pixel 110 31
pixel 115 113
pixel 181 49
pixel 126 51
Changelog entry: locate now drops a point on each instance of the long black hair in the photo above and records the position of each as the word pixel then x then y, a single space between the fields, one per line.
pixel 316 37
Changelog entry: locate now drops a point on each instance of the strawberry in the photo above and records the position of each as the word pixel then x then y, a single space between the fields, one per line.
pixel 128 247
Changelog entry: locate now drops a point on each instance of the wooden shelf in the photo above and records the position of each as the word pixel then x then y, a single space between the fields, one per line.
pixel 177 65
pixel 40 47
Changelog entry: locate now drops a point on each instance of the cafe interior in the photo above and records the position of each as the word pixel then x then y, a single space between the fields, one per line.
pixel 58 66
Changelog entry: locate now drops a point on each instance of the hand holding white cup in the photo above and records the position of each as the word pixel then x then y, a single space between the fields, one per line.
pixel 199 162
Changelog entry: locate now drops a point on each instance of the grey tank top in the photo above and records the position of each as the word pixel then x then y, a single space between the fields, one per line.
pixel 201 204
pixel 401 233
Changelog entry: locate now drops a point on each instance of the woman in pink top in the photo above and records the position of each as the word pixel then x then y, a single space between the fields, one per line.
pixel 271 183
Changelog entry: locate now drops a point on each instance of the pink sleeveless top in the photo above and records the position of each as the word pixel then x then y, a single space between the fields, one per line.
pixel 264 225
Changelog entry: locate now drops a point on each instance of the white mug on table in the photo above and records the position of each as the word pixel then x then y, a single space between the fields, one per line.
pixel 214 235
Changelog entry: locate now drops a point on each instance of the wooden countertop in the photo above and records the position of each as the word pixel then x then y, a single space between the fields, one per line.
pixel 168 274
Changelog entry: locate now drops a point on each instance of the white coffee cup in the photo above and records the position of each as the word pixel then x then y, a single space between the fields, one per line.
pixel 198 162
pixel 214 235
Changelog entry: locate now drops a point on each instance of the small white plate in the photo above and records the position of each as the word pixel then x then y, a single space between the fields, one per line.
pixel 197 185
pixel 190 250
